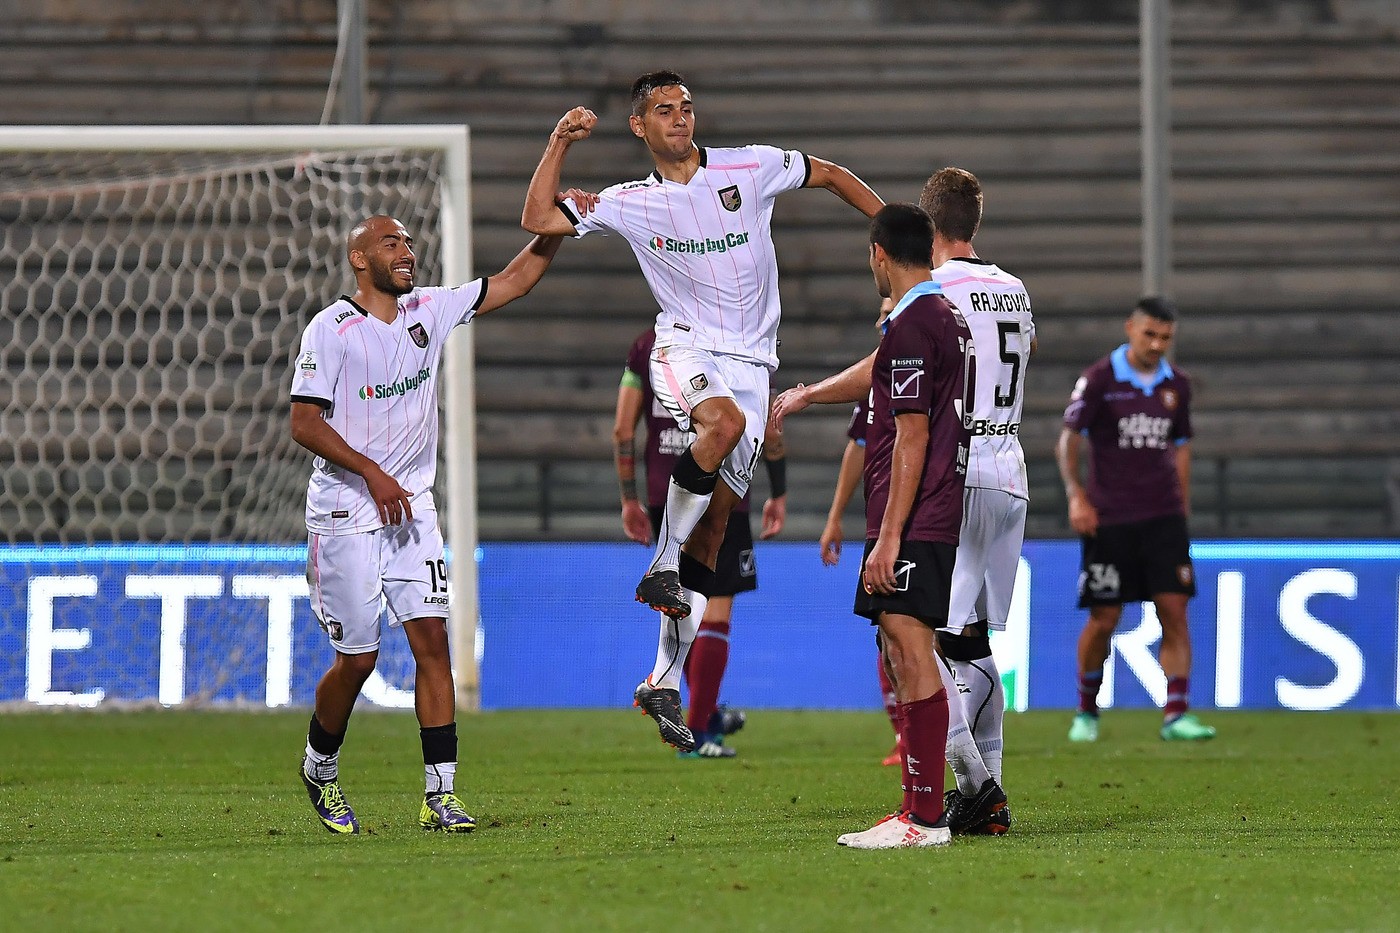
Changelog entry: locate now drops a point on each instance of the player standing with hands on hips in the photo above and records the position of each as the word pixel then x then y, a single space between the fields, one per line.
pixel 364 400
pixel 700 226
pixel 1134 410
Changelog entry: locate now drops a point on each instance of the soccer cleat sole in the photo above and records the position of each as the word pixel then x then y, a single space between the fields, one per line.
pixel 652 591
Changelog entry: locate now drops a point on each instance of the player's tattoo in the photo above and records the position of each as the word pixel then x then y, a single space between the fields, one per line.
pixel 627 471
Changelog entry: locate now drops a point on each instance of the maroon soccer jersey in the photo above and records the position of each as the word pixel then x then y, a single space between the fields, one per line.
pixel 1134 424
pixel 924 364
pixel 665 440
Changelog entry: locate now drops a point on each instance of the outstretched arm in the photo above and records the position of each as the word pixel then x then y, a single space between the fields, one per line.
pixel 845 184
pixel 850 385
pixel 520 274
pixel 542 214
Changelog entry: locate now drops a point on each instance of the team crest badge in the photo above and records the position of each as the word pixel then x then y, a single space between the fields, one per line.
pixel 419 333
pixel 1169 399
pixel 729 198
pixel 334 630
pixel 1183 573
pixel 699 383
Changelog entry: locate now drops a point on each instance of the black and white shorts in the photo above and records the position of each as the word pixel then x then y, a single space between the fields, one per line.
pixel 923 578
pixel 1134 561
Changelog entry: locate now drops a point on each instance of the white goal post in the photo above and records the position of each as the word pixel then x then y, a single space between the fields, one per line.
pixel 47 168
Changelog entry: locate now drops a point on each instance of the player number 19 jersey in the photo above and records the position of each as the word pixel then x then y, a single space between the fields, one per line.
pixel 377 383
pixel 998 312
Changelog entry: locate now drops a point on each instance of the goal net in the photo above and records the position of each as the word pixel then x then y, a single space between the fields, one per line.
pixel 154 285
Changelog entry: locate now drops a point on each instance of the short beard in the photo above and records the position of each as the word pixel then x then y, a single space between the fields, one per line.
pixel 383 280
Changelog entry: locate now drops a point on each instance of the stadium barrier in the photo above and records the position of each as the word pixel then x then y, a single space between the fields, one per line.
pixel 1276 624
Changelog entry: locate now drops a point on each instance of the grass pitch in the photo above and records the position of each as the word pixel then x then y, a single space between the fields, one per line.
pixel 196 820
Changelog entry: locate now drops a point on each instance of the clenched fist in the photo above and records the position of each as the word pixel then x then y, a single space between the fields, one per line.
pixel 576 124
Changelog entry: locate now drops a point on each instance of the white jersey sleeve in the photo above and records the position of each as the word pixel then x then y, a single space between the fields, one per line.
pixel 605 216
pixel 780 170
pixel 319 362
pixel 449 306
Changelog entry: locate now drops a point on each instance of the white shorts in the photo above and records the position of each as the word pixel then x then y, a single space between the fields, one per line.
pixel 683 377
pixel 989 554
pixel 353 576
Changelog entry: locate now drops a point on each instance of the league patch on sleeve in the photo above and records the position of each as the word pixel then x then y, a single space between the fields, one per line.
pixel 906 381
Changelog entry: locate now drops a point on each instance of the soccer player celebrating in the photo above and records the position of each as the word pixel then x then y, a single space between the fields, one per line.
pixel 364 399
pixel 915 463
pixel 700 228
pixel 1134 409
pixel 736 570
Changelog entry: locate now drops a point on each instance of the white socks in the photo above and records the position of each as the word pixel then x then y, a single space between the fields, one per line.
pixel 979 682
pixel 963 757
pixel 684 509
pixel 673 645
pixel 438 778
pixel 321 768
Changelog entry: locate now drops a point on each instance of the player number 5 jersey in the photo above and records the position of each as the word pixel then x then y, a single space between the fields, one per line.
pixel 378 385
pixel 998 312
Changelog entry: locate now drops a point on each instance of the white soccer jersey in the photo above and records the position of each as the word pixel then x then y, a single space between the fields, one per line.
pixel 706 247
pixel 998 312
pixel 378 384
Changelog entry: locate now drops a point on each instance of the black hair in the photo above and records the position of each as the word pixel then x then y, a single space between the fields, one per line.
pixel 905 233
pixel 643 86
pixel 1157 308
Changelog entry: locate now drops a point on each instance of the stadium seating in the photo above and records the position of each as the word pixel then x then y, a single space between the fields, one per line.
pixel 1287 222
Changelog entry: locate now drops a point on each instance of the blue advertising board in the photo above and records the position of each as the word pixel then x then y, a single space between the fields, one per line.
pixel 1276 624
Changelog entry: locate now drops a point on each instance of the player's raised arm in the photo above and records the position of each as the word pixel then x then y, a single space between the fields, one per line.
pixel 520 274
pixel 542 213
pixel 845 184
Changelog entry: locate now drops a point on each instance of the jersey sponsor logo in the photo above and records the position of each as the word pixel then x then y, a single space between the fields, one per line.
pixel 729 198
pixel 986 427
pixel 419 333
pixel 989 303
pixel 394 389
pixel 1141 430
pixel 435 600
pixel 341 513
pixel 345 315
pixel 905 381
pixel 308 363
pixel 666 244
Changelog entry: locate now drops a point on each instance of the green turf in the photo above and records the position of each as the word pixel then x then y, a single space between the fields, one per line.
pixel 184 820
